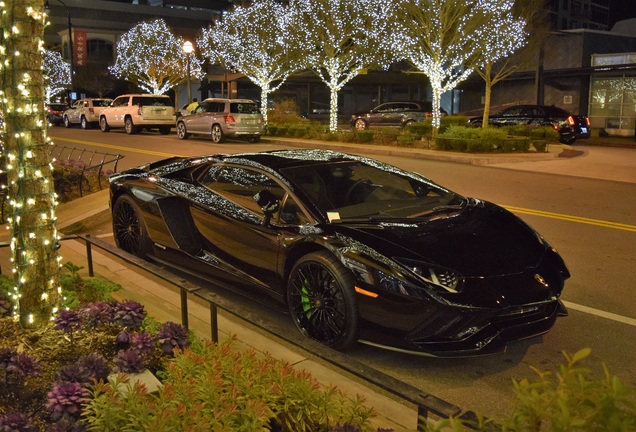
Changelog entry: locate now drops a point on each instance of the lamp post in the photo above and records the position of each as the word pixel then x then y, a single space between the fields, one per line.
pixel 188 48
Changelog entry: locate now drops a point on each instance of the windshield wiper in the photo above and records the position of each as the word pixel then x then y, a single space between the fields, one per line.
pixel 438 209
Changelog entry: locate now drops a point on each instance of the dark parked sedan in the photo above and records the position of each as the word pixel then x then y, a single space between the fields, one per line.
pixel 357 249
pixel 55 112
pixel 570 127
pixel 392 114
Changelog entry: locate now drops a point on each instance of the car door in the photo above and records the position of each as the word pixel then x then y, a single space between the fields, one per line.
pixel 392 114
pixel 232 228
pixel 74 113
pixel 116 113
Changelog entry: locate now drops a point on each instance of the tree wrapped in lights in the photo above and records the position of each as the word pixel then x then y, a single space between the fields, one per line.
pixel 258 41
pixel 34 241
pixel 57 74
pixel 444 39
pixel 522 31
pixel 152 57
pixel 341 38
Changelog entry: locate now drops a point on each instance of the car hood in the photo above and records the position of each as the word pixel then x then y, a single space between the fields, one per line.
pixel 482 240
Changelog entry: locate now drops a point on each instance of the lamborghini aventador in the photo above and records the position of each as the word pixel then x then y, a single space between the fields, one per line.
pixel 357 250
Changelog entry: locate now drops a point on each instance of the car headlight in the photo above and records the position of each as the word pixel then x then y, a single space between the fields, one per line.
pixel 438 278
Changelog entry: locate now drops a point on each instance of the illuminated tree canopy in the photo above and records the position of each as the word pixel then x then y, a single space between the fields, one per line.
pixel 57 74
pixel 341 38
pixel 152 57
pixel 257 41
pixel 447 39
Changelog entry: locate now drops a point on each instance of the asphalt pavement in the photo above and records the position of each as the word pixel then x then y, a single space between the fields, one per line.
pixel 610 159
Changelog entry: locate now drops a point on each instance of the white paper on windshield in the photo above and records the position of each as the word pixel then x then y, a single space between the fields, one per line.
pixel 332 216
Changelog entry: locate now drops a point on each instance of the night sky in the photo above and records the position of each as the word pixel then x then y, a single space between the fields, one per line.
pixel 621 9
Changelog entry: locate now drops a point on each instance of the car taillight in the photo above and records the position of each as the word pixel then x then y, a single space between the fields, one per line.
pixel 91 110
pixel 587 120
pixel 229 119
pixel 571 120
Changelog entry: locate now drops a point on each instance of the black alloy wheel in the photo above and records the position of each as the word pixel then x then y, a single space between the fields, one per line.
pixel 128 228
pixel 321 300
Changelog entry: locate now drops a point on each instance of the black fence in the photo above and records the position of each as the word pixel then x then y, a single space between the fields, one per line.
pixel 428 406
pixel 90 161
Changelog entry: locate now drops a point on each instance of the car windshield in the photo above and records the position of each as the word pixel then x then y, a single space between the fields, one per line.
pixel 243 108
pixel 352 190
pixel 58 107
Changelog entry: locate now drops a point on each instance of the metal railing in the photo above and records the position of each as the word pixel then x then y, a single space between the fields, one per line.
pixel 427 404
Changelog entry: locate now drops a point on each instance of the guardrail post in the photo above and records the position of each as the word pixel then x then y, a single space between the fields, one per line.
pixel 89 256
pixel 184 307
pixel 214 324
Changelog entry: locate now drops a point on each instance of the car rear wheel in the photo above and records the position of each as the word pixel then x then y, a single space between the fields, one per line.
pixel 217 134
pixel 67 123
pixel 103 124
pixel 128 227
pixel 84 123
pixel 321 300
pixel 164 130
pixel 130 126
pixel 360 124
pixel 182 132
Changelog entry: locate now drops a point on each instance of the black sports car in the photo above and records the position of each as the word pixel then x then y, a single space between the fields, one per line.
pixel 356 248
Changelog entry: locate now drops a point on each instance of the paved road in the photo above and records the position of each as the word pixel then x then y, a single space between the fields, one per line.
pixel 584 205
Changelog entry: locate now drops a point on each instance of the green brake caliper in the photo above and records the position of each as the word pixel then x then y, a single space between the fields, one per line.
pixel 304 297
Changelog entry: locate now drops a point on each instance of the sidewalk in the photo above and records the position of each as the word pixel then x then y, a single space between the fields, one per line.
pixel 162 301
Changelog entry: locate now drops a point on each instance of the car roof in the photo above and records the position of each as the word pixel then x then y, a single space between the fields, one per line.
pixel 228 100
pixel 279 159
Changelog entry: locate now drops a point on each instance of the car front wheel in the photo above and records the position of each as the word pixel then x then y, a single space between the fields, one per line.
pixel 67 123
pixel 103 124
pixel 321 300
pixel 182 132
pixel 128 227
pixel 217 134
pixel 360 124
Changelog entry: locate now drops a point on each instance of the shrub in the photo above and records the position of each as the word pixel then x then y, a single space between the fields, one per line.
pixel 223 388
pixel 285 111
pixel 570 400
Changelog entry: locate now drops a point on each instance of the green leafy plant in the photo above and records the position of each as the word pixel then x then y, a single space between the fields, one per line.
pixel 224 388
pixel 571 399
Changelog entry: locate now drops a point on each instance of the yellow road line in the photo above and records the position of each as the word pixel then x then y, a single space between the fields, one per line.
pixel 569 218
pixel 114 147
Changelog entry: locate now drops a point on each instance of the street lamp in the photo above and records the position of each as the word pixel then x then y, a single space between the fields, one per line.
pixel 187 48
pixel 70 36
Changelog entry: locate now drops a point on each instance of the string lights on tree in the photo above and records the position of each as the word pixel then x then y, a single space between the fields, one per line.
pixel 443 39
pixel 57 74
pixel 342 38
pixel 258 41
pixel 152 57
pixel 32 220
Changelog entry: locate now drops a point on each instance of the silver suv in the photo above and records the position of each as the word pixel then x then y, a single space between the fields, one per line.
pixel 223 118
pixel 85 112
pixel 134 112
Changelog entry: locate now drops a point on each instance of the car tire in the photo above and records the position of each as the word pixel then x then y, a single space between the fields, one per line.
pixel 164 130
pixel 103 124
pixel 217 134
pixel 254 139
pixel 67 122
pixel 129 126
pixel 360 124
pixel 322 300
pixel 570 140
pixel 182 131
pixel 84 124
pixel 129 230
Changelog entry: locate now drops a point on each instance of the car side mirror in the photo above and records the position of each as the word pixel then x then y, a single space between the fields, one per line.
pixel 268 202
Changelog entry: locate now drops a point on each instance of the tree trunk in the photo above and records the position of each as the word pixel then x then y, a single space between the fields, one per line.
pixel 488 93
pixel 31 193
pixel 333 110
